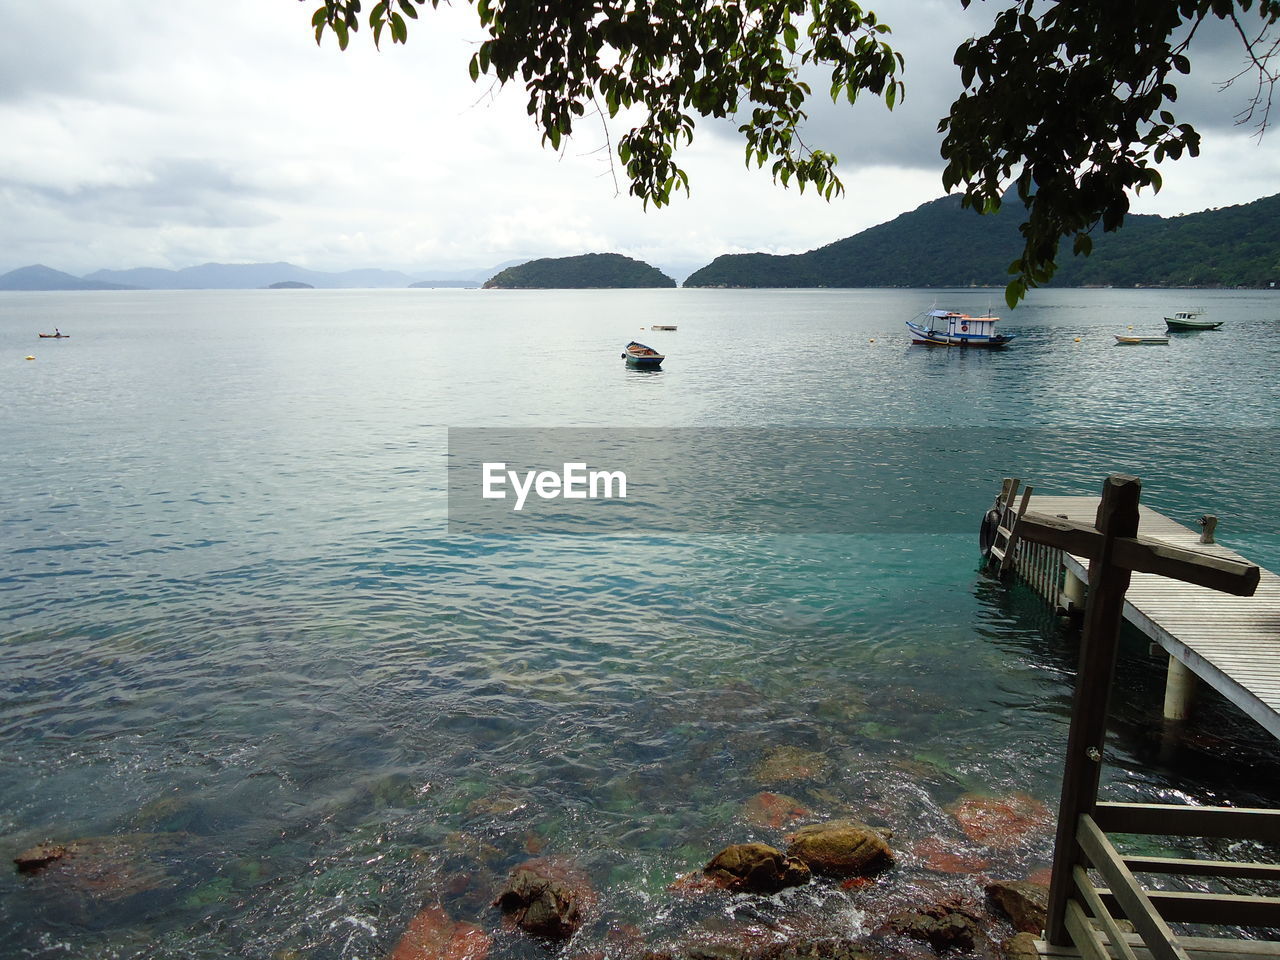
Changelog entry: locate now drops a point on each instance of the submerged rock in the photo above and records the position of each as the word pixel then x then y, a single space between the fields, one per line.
pixel 942 857
pixel 547 898
pixel 1025 904
pixel 792 763
pixel 104 868
pixel 755 868
pixel 944 926
pixel 434 935
pixel 841 848
pixel 800 948
pixel 773 810
pixel 1001 822
pixel 41 855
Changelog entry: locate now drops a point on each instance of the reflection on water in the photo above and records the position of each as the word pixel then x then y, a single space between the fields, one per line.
pixel 283 709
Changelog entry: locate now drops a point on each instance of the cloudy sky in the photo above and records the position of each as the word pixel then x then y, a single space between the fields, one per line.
pixel 167 135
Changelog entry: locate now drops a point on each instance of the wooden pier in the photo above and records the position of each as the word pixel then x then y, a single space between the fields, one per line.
pixel 1172 584
pixel 1230 643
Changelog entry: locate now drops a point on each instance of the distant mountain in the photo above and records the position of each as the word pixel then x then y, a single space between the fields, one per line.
pixel 248 276
pixel 289 285
pixel 588 271
pixel 941 245
pixel 433 284
pixel 39 277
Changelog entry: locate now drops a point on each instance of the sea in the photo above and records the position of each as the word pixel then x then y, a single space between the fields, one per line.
pixel 281 677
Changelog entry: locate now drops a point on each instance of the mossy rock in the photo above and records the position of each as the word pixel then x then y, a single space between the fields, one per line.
pixel 841 848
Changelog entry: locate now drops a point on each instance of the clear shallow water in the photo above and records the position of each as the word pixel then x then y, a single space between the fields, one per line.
pixel 235 617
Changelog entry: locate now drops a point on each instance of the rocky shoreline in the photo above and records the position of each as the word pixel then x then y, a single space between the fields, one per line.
pixel 897 899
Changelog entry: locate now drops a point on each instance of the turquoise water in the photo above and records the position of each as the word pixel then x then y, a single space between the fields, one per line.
pixel 240 633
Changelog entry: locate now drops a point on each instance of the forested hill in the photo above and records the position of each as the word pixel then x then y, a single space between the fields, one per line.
pixel 941 245
pixel 591 270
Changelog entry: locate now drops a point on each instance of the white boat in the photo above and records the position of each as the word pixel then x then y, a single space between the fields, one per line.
pixel 1190 320
pixel 946 328
pixel 1135 341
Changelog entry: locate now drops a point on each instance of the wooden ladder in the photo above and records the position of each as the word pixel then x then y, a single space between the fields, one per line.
pixel 1002 550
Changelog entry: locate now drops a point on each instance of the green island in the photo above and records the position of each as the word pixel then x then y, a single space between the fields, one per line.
pixel 941 245
pixel 588 271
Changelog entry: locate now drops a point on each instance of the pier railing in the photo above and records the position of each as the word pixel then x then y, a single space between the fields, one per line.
pixel 1039 565
pixel 1091 910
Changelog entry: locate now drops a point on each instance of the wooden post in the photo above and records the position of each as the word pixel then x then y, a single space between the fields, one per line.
pixel 1117 517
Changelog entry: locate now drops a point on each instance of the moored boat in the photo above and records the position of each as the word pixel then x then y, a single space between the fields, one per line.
pixel 1133 341
pixel 55 336
pixel 658 326
pixel 639 355
pixel 1190 320
pixel 946 328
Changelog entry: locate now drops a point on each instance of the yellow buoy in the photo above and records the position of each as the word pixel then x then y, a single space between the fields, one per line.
pixel 873 339
pixel 30 357
pixel 1077 339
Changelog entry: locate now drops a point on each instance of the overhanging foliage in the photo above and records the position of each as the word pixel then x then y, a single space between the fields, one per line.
pixel 1070 102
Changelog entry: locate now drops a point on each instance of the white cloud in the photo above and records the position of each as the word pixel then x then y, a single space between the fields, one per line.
pixel 166 135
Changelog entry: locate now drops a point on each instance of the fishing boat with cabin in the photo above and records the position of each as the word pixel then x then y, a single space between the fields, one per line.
pixel 946 328
pixel 1185 320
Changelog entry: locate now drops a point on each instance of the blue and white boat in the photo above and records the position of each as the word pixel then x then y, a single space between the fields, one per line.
pixel 946 328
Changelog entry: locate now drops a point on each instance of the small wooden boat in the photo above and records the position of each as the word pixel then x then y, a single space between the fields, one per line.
pixel 1190 320
pixel 660 327
pixel 1140 340
pixel 946 328
pixel 55 336
pixel 638 355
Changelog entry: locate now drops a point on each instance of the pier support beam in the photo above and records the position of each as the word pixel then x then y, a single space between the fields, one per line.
pixel 1179 690
pixel 1073 594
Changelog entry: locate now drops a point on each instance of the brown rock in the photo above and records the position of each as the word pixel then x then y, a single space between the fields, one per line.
pixel 755 868
pixel 434 935
pixel 945 926
pixel 1025 904
pixel 547 898
pixel 41 855
pixel 840 848
pixel 1021 946
pixel 773 810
